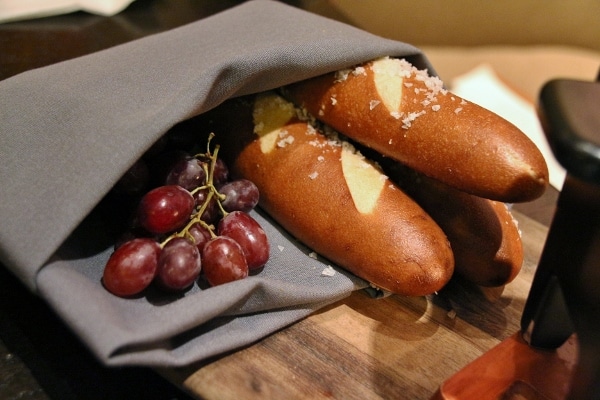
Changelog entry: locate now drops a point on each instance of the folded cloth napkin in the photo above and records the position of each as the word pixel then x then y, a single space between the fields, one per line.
pixel 70 130
pixel 13 10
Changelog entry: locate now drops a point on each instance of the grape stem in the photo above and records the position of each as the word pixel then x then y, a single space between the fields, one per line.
pixel 212 192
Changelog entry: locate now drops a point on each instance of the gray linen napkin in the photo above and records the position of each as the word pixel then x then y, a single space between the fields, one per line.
pixel 70 130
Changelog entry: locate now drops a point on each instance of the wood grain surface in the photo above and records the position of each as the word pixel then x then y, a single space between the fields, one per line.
pixel 365 348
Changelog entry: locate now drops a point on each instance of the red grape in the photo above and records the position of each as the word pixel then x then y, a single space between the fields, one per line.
pixel 211 213
pixel 132 267
pixel 165 209
pixel 221 173
pixel 223 261
pixel 200 234
pixel 187 173
pixel 171 211
pixel 244 229
pixel 179 264
pixel 240 195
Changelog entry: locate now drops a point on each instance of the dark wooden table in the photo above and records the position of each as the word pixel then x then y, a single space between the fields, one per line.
pixel 40 358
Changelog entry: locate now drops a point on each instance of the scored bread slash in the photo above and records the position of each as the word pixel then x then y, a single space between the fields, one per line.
pixel 405 114
pixel 364 179
pixel 339 204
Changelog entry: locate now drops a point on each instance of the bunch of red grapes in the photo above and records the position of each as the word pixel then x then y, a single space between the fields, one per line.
pixel 196 225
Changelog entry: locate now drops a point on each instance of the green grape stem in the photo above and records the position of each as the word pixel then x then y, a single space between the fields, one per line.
pixel 212 192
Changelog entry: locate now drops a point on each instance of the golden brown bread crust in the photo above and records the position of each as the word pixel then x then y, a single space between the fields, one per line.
pixel 431 130
pixel 396 247
pixel 484 236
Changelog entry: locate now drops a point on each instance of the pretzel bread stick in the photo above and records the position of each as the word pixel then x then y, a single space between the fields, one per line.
pixel 331 198
pixel 405 114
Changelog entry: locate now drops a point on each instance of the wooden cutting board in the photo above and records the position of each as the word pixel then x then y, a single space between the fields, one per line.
pixel 365 348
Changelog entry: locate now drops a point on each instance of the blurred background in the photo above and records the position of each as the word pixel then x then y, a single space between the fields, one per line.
pixel 470 22
pixel 526 42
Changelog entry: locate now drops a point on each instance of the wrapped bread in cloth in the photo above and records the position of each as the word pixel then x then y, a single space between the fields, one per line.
pixel 407 115
pixel 453 163
pixel 331 198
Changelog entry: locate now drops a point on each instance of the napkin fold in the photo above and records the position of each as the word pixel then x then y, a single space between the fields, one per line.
pixel 70 130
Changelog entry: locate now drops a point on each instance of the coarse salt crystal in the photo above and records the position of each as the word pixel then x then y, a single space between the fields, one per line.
pixel 280 247
pixel 373 104
pixel 421 74
pixel 458 109
pixel 436 107
pixel 313 255
pixel 313 175
pixel 407 121
pixel 320 158
pixel 342 75
pixel 333 101
pixel 328 271
pixel 285 141
pixel 359 71
pixel 417 115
